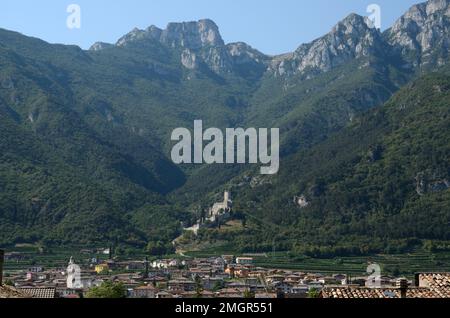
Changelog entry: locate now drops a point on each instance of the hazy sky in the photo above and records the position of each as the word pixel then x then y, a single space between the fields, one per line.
pixel 272 26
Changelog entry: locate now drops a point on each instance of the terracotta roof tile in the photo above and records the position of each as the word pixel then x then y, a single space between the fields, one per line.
pixel 39 292
pixel 439 283
pixel 435 285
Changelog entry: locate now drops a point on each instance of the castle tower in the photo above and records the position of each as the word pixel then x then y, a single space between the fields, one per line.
pixel 228 203
pixel 227 197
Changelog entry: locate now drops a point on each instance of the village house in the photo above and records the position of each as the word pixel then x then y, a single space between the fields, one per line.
pixel 292 279
pixel 231 292
pixel 193 294
pixel 127 277
pixel 244 261
pixel 385 281
pixel 164 295
pixel 184 285
pixel 36 269
pixel 148 291
pixel 209 283
pixel 101 268
pixel 63 292
pixel 241 272
pixel 229 259
pixel 275 279
pixel 252 280
pixel 165 264
pixel 298 291
pixel 282 287
pixel 200 272
pixel 265 295
pixel 159 281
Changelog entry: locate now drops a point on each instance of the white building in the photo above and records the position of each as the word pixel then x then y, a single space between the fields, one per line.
pixel 73 275
pixel 75 280
pixel 244 260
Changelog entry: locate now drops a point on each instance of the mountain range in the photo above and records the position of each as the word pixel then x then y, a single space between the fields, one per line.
pixel 363 115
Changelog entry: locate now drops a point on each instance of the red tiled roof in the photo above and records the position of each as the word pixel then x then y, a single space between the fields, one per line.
pixel 434 285
pixel 39 292
pixel 348 292
pixel 439 283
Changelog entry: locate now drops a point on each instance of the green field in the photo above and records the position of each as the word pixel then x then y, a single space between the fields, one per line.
pixel 404 264
pixel 56 257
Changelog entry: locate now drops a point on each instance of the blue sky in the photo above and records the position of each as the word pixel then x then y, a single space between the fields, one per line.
pixel 272 26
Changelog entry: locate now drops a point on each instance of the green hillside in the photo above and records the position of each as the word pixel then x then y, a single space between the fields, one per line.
pixel 380 185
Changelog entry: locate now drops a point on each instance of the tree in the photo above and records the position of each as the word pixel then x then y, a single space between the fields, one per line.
pixel 313 293
pixel 396 271
pixel 159 248
pixel 108 290
pixel 198 287
pixel 155 248
pixel 105 271
pixel 218 286
pixel 248 294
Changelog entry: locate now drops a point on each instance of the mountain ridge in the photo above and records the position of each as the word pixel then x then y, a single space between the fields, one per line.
pixel 321 54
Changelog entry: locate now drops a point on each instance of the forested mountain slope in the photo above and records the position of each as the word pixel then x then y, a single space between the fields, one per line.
pixel 85 135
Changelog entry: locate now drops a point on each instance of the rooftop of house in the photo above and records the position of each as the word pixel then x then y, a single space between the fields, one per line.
pixel 39 292
pixel 192 294
pixel 429 285
pixel 437 282
pixel 146 287
pixel 265 295
pixel 362 292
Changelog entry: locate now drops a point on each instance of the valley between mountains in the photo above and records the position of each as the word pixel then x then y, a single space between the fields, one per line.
pixel 363 117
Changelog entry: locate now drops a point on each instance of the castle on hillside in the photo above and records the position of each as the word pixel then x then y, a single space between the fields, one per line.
pixel 220 211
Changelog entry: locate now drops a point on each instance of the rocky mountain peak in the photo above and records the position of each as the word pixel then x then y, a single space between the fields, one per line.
pixel 352 24
pixel 188 35
pixel 133 36
pixel 351 38
pixel 154 32
pixel 198 43
pixel 192 35
pixel 434 6
pixel 418 37
pixel 98 46
pixel 243 53
pixel 421 30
